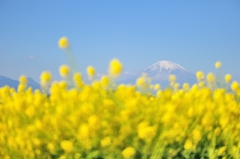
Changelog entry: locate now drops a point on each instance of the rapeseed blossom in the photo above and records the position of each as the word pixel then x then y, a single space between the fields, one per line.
pixel 235 86
pixel 45 77
pixel 23 79
pixel 93 120
pixel 67 145
pixel 63 43
pixel 172 78
pixel 188 145
pixel 128 152
pixel 200 75
pixel 109 121
pixel 157 86
pixel 141 82
pixel 228 78
pixel 105 81
pixel 115 67
pixel 218 64
pixel 64 70
pixel 211 78
pixel 91 72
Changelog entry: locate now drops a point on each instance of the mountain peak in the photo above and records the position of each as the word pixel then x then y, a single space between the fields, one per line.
pixel 165 66
pixel 159 73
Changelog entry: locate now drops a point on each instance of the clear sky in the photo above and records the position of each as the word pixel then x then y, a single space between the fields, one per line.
pixel 194 34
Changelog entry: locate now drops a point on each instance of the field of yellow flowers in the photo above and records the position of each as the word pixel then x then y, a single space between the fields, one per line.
pixel 102 120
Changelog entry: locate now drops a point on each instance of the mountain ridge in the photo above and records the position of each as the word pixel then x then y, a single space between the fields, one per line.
pixel 14 83
pixel 159 73
pixel 165 65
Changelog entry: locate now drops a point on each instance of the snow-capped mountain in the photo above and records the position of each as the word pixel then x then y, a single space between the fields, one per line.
pixel 161 66
pixel 159 73
pixel 161 70
pixel 14 83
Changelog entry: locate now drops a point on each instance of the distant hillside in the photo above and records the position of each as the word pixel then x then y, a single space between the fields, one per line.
pixel 14 83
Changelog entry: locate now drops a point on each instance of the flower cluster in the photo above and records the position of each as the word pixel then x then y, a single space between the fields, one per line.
pixel 103 120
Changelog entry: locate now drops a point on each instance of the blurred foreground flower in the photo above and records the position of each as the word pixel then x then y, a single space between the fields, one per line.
pixel 63 43
pixel 128 152
pixel 115 67
pixel 218 64
pixel 45 77
pixel 200 75
pixel 228 78
pixel 91 72
pixel 64 70
pixel 23 79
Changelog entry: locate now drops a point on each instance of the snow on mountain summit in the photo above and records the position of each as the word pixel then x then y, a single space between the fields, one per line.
pixel 165 65
pixel 159 73
pixel 161 70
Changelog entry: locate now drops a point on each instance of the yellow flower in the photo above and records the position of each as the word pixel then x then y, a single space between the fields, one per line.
pixel 200 75
pixel 172 78
pixel 93 120
pixel 197 135
pixel 147 132
pixel 105 81
pixel 67 145
pixel 63 43
pixel 201 84
pixel 63 84
pixel 23 79
pixel 234 85
pixel 211 77
pixel 77 155
pixel 21 87
pixel 115 67
pixel 106 141
pixel 188 145
pixel 128 152
pixel 84 131
pixel 221 150
pixel 228 78
pixel 141 82
pixel 62 157
pixel 51 148
pixel 77 77
pixel 46 77
pixel 176 86
pixel 218 64
pixel 186 86
pixel 157 87
pixel 91 72
pixel 64 70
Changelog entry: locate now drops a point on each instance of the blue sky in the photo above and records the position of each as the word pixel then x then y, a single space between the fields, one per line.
pixel 194 34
